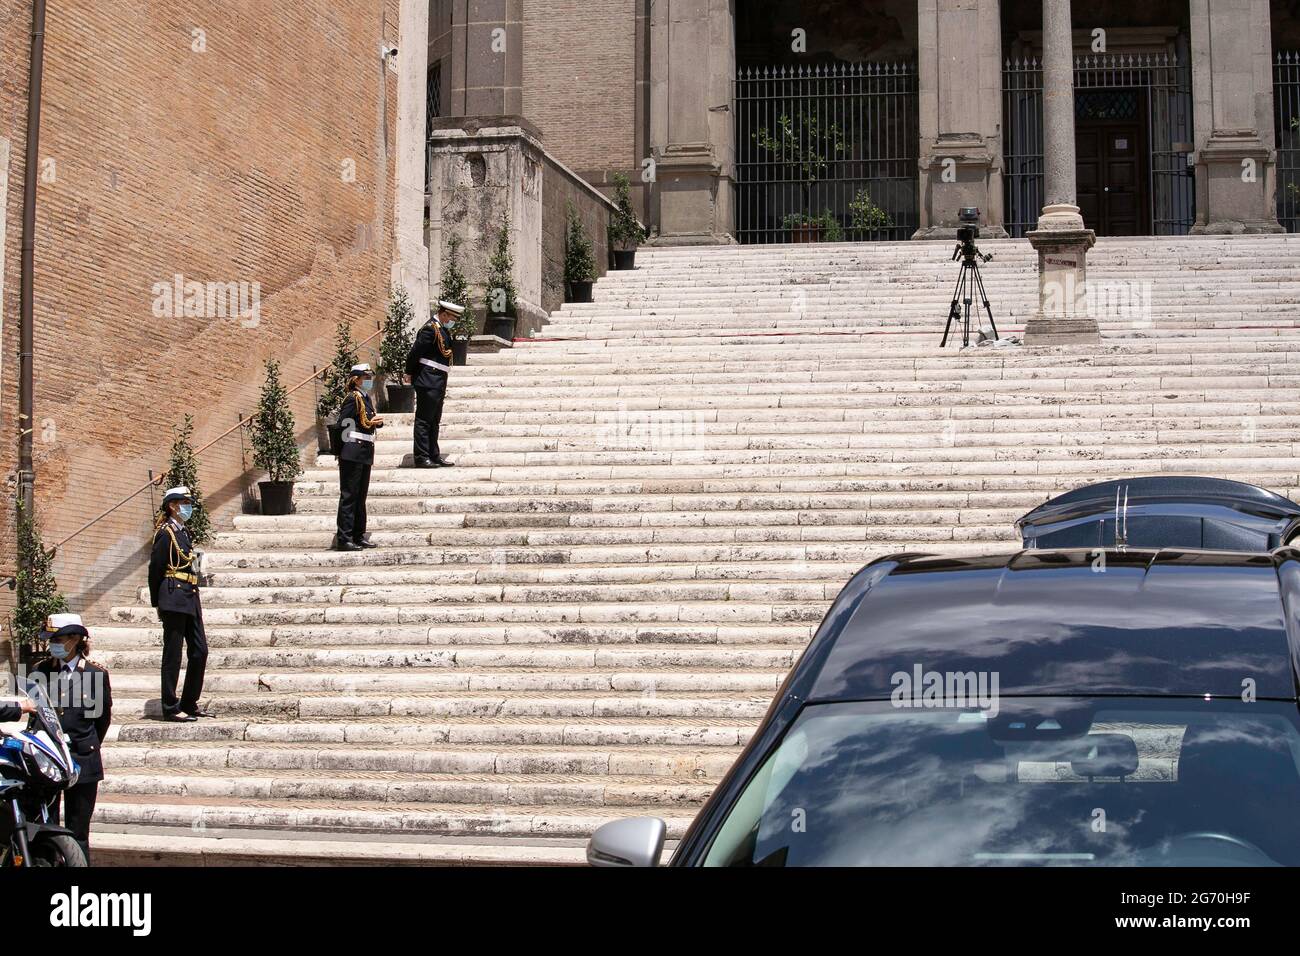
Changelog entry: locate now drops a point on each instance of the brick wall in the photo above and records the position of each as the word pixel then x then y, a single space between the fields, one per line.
pixel 227 141
pixel 580 63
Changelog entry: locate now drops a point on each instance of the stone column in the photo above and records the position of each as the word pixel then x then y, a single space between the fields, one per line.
pixel 487 45
pixel 959 59
pixel 1232 93
pixel 411 257
pixel 1061 238
pixel 692 68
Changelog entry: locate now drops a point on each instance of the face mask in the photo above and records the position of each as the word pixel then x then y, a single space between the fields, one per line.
pixel 58 650
pixel 186 512
pixel 368 386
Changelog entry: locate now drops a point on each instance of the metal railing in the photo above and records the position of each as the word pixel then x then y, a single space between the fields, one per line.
pixel 1161 85
pixel 1286 109
pixel 816 143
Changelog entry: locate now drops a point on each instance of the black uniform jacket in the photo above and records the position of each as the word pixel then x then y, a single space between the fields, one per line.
pixel 173 552
pixel 9 713
pixel 356 418
pixel 429 360
pixel 86 711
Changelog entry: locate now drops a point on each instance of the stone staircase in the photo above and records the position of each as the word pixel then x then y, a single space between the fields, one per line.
pixel 652 509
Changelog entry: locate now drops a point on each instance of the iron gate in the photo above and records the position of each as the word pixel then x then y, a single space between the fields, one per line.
pixel 1163 89
pixel 826 152
pixel 1286 106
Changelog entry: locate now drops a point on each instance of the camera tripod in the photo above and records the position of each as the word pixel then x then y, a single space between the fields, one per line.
pixel 968 282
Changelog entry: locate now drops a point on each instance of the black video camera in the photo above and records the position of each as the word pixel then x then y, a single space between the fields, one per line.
pixel 967 233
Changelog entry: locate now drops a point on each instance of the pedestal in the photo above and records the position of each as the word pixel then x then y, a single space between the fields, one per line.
pixel 1063 316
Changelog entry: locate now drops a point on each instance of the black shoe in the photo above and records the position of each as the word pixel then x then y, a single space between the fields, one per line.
pixel 347 546
pixel 198 712
pixel 179 718
pixel 425 463
pixel 366 543
pixel 444 463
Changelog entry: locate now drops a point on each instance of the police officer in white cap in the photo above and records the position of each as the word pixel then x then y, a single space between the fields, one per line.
pixel 174 591
pixel 358 424
pixel 83 698
pixel 428 364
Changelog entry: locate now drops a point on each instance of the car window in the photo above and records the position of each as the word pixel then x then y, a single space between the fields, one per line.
pixel 1042 782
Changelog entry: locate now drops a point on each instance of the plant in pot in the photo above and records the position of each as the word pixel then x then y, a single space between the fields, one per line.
pixel 806 228
pixel 38 591
pixel 335 381
pixel 806 149
pixel 579 263
pixel 183 469
pixel 396 342
pixel 275 447
pixel 866 216
pixel 499 287
pixel 625 231
pixel 455 288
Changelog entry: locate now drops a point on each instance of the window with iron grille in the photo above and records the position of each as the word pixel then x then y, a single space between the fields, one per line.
pixel 1286 107
pixel 1153 89
pixel 826 152
pixel 433 109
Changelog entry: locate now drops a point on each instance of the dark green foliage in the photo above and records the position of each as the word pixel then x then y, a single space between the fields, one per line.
pixel 183 469
pixel 335 376
pixel 579 263
pixel 275 446
pixel 38 591
pixel 398 335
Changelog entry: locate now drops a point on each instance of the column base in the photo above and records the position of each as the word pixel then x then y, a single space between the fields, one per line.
pixel 1062 244
pixel 1228 202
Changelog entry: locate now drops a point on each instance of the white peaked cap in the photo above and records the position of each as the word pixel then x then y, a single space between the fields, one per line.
pixel 56 621
pixel 451 307
pixel 361 369
pixel 180 491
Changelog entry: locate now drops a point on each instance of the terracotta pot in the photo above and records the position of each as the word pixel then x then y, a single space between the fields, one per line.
pixel 806 233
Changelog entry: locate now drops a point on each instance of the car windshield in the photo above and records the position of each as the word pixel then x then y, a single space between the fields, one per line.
pixel 1039 782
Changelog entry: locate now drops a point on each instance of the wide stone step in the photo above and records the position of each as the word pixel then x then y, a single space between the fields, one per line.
pixel 359 817
pixel 381 787
pixel 143 681
pixel 682 763
pixel 117 637
pixel 491 732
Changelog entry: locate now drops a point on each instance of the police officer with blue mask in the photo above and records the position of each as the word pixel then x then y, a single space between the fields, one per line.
pixel 83 698
pixel 174 591
pixel 358 424
pixel 429 363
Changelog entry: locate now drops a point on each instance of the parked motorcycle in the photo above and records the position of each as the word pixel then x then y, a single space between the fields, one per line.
pixel 36 765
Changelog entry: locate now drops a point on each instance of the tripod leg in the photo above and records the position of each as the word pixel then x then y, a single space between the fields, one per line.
pixel 952 309
pixel 985 299
pixel 969 290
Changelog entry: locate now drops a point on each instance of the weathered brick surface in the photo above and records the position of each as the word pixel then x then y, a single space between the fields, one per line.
pixel 225 166
pixel 579 80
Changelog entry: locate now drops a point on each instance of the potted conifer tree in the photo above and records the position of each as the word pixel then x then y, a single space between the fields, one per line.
pixel 335 379
pixel 625 231
pixel 499 287
pixel 183 469
pixel 275 447
pixel 38 591
pixel 455 288
pixel 579 264
pixel 394 345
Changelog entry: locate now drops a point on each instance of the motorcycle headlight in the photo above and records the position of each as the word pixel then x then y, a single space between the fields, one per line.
pixel 48 768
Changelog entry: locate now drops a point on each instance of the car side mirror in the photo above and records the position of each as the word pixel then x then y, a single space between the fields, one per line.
pixel 637 841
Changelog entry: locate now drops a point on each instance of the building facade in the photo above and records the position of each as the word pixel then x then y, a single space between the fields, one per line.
pixel 772 120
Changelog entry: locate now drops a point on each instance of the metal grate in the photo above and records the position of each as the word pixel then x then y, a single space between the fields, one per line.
pixel 826 152
pixel 1286 105
pixel 433 109
pixel 1156 85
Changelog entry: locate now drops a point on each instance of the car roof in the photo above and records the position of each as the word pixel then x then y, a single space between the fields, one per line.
pixel 1158 622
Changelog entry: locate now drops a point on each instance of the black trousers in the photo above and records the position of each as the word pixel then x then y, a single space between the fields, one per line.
pixel 354 485
pixel 428 417
pixel 78 805
pixel 184 629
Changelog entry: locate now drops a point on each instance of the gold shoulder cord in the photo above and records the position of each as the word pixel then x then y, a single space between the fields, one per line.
pixel 366 421
pixel 178 557
pixel 437 337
